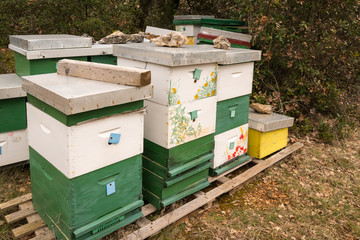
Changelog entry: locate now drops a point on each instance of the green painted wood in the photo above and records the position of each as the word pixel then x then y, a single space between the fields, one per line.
pixel 173 180
pixel 73 119
pixel 107 59
pixel 73 203
pixel 165 173
pixel 224 22
pixel 187 22
pixel 228 28
pixel 99 223
pixel 12 114
pixel 210 42
pixel 157 186
pixel 221 169
pixel 179 155
pixel 158 203
pixel 224 121
pixel 25 67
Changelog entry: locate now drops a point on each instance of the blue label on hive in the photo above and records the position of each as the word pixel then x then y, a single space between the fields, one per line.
pixel 114 138
pixel 110 188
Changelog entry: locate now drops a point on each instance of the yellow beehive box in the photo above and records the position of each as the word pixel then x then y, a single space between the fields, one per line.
pixel 268 133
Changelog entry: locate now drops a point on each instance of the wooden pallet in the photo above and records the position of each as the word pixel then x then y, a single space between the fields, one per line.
pixel 147 228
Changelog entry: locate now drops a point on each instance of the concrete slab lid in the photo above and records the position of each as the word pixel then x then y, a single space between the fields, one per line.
pixel 239 55
pixel 10 86
pixel 268 122
pixel 94 50
pixel 49 41
pixel 181 56
pixel 192 17
pixel 72 95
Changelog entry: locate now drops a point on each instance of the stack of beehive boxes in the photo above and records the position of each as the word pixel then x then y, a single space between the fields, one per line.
pixel 86 141
pixel 234 85
pixel 189 25
pixel 13 135
pixel 180 123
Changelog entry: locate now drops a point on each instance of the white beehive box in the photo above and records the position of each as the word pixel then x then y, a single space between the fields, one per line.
pixel 175 125
pixel 175 85
pixel 83 147
pixel 179 75
pixel 229 145
pixel 14 147
pixel 235 73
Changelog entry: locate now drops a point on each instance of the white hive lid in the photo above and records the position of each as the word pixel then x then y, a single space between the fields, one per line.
pixel 268 122
pixel 10 86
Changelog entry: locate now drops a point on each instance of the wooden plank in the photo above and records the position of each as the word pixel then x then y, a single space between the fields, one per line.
pixel 27 228
pixel 16 216
pixel 199 193
pixel 104 72
pixel 148 209
pixel 182 211
pixel 16 201
pixel 43 234
pixel 257 161
pixel 212 179
pixel 143 222
pixel 223 179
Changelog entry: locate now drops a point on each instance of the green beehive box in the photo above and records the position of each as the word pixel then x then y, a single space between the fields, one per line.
pixel 161 192
pixel 232 113
pixel 106 59
pixel 183 157
pixel 12 103
pixel 39 54
pixel 89 206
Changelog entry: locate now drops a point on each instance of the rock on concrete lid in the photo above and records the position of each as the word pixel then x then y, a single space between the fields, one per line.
pixel 49 41
pixel 181 56
pixel 268 122
pixel 10 86
pixel 72 95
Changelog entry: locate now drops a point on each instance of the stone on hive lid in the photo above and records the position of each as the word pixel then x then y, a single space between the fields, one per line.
pixel 10 86
pixel 268 122
pixel 184 55
pixel 49 41
pixel 72 95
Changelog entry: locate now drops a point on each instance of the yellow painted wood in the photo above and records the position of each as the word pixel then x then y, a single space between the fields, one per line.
pixel 262 144
pixel 191 41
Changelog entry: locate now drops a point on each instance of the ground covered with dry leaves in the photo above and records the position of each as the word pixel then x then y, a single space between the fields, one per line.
pixel 313 194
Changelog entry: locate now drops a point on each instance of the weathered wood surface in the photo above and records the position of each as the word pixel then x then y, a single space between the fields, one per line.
pixel 16 216
pixel 16 201
pixel 189 207
pixel 27 228
pixel 104 72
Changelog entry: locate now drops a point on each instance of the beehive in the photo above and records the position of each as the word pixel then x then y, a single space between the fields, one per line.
pixel 268 133
pixel 189 25
pixel 86 140
pixel 13 134
pixel 39 54
pixel 180 119
pixel 234 85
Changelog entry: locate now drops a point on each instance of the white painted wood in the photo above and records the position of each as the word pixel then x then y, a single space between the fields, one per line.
pixel 94 50
pixel 234 80
pixel 175 85
pixel 84 147
pixel 172 126
pixel 227 34
pixel 223 152
pixel 14 147
pixel 188 30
